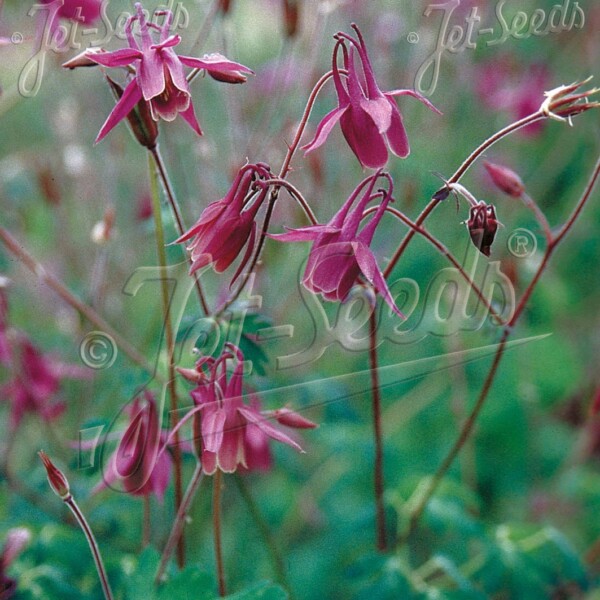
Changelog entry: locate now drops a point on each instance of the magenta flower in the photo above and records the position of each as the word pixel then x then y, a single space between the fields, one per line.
pixel 340 253
pixel 35 380
pixel 83 11
pixel 16 540
pixel 138 462
pixel 369 118
pixel 227 225
pixel 159 78
pixel 228 433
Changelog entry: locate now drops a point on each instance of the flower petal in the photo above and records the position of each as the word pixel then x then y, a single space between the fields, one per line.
pixel 213 423
pixel 324 129
pixel 216 62
pixel 364 138
pixel 396 134
pixel 118 58
pixel 370 269
pixel 416 95
pixel 131 96
pixel 263 423
pixel 303 234
pixel 190 118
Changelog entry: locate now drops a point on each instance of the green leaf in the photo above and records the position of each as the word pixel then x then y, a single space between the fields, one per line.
pixel 261 591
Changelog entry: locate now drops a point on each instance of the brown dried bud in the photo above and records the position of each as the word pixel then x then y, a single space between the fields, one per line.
pixel 58 482
pixel 291 16
pixel 505 179
pixel 482 226
pixel 143 126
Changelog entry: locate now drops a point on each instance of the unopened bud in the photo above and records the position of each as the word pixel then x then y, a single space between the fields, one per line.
pixel 291 16
pixel 482 226
pixel 83 59
pixel 58 482
pixel 505 179
pixel 225 6
pixel 143 126
pixel 289 418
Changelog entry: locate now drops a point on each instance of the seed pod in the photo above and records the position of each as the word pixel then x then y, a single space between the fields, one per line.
pixel 482 226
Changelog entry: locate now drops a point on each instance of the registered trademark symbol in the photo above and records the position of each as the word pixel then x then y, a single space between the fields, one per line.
pixel 522 243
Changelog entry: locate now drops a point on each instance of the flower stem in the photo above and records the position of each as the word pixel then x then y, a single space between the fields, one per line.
pixel 216 509
pixel 263 527
pixel 87 531
pixel 171 385
pixel 377 432
pixel 146 521
pixel 17 248
pixel 467 427
pixel 181 228
pixel 179 522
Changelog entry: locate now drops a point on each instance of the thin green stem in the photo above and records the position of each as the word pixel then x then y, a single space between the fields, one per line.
pixel 169 337
pixel 216 509
pixel 378 481
pixel 70 502
pixel 263 527
pixel 180 521
pixel 179 222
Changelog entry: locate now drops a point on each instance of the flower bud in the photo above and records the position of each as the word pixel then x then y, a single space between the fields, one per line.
pixel 505 179
pixel 58 482
pixel 482 226
pixel 288 417
pixel 83 59
pixel 291 17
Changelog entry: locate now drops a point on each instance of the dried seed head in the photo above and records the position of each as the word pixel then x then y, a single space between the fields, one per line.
pixel 482 226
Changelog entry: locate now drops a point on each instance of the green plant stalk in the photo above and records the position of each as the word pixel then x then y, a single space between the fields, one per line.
pixel 263 528
pixel 81 520
pixel 171 384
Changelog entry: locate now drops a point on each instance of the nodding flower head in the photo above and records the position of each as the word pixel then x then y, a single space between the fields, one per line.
pixel 340 253
pixel 159 78
pixel 369 118
pixel 227 225
pixel 482 226
pixel 228 433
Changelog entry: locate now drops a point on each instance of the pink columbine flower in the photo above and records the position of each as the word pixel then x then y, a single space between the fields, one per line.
pixel 16 540
pixel 83 11
pixel 369 118
pixel 227 432
pixel 340 253
pixel 138 462
pixel 159 78
pixel 227 225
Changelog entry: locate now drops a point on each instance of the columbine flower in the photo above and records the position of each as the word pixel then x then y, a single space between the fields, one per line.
pixel 83 11
pixel 159 78
pixel 369 118
pixel 16 540
pixel 227 225
pixel 138 462
pixel 482 226
pixel 227 432
pixel 340 253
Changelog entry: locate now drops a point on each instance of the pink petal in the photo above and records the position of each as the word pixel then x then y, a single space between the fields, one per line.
pixel 151 74
pixel 172 62
pixel 172 40
pixel 370 269
pixel 212 429
pixel 131 96
pixel 379 110
pixel 324 129
pixel 118 58
pixel 396 134
pixel 161 474
pixel 190 118
pixel 303 234
pixel 416 95
pixel 209 462
pixel 216 62
pixel 266 427
pixel 364 138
